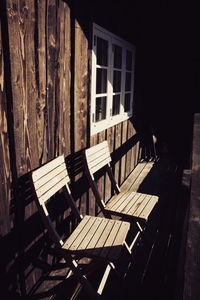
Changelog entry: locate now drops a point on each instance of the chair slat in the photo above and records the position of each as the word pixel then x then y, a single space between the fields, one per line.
pixel 142 205
pixel 91 234
pixel 93 242
pixel 111 238
pixel 96 148
pixel 100 165
pixel 127 201
pixel 97 157
pixel 51 183
pixel 103 237
pixel 37 174
pixel 119 240
pixel 136 204
pixel 51 174
pixel 119 201
pixel 135 197
pixel 152 202
pixel 99 160
pixel 46 196
pixel 82 234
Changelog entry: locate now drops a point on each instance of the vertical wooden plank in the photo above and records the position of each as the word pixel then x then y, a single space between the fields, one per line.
pixel 66 79
pixel 101 182
pixel 30 129
pixel 93 208
pixel 5 174
pixel 21 24
pixel 110 139
pixel 51 75
pixel 42 80
pixel 17 56
pixel 21 17
pixel 80 88
pixel 117 145
pixel 134 148
pixel 80 97
pixel 64 75
pixel 123 159
pixel 128 155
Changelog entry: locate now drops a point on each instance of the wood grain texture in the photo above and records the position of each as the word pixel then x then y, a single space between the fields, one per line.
pixel 48 66
pixel 80 88
pixel 5 173
pixel 21 20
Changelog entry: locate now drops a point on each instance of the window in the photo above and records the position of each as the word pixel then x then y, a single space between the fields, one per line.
pixel 112 80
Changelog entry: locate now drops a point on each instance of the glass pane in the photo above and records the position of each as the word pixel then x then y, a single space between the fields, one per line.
pixel 128 60
pixel 128 82
pixel 117 57
pixel 102 52
pixel 116 105
pixel 101 81
pixel 101 108
pixel 127 104
pixel 116 81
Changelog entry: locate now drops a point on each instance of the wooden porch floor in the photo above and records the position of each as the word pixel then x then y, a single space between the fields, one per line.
pixel 158 258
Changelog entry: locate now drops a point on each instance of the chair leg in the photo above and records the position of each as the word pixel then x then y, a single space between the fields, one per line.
pixel 104 279
pixel 137 234
pixel 83 279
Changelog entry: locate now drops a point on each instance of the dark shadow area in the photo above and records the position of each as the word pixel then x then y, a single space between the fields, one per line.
pixel 27 250
pixel 166 88
pixel 156 273
pixel 166 71
pixel 124 148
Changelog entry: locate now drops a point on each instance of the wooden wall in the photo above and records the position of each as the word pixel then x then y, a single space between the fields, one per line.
pixel 44 111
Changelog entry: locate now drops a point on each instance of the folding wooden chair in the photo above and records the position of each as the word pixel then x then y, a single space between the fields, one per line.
pixel 132 206
pixel 99 239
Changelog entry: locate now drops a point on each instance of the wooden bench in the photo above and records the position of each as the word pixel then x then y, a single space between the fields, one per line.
pixel 128 205
pixel 99 239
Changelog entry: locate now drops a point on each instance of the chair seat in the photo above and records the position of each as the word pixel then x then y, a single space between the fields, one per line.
pixel 132 204
pixel 98 237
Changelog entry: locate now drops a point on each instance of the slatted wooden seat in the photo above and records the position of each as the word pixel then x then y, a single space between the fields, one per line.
pixel 98 238
pixel 129 205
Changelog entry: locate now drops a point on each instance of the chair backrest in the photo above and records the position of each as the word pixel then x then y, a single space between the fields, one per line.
pixel 47 181
pixel 97 157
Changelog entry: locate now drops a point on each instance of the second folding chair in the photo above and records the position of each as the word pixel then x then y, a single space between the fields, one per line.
pixel 128 205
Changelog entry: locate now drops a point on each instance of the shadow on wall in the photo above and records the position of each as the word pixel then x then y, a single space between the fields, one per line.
pixel 27 255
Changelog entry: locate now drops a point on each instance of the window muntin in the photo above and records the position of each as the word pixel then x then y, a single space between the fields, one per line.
pixel 112 80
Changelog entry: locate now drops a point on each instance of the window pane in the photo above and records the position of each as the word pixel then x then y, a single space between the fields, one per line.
pixel 128 82
pixel 102 52
pixel 116 81
pixel 100 108
pixel 128 60
pixel 117 57
pixel 127 104
pixel 116 105
pixel 101 81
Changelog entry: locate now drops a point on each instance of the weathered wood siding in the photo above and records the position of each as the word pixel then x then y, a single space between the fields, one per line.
pixel 44 107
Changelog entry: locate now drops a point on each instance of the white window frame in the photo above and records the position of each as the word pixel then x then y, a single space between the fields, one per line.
pixel 122 116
